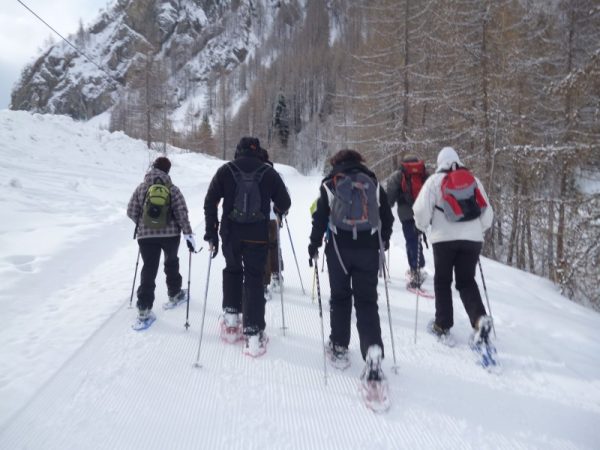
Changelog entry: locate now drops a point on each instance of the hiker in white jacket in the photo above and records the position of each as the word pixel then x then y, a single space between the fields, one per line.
pixel 456 248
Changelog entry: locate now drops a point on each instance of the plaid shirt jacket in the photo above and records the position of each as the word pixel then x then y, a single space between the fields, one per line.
pixel 177 221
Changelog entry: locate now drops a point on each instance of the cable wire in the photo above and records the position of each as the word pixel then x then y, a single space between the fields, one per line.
pixel 69 43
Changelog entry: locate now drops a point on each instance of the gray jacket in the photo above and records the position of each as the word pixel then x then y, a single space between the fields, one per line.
pixel 396 195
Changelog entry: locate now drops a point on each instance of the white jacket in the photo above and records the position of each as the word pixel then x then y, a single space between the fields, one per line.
pixel 427 215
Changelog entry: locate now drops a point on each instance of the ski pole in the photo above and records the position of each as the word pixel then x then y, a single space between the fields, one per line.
pixel 418 290
pixel 137 262
pixel 283 327
pixel 294 252
pixel 387 296
pixel 313 289
pixel 321 316
pixel 486 297
pixel 187 309
pixel 389 253
pixel 210 253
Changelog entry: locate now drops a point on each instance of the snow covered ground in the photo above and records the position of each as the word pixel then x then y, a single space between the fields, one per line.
pixel 73 375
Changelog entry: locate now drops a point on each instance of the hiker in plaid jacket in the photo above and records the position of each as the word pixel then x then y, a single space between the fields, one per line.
pixel 153 241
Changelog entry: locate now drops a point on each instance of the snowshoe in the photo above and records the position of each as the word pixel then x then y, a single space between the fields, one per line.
pixel 443 335
pixel 144 319
pixel 337 356
pixel 176 300
pixel 374 388
pixel 480 343
pixel 414 283
pixel 256 344
pixel 422 292
pixel 231 328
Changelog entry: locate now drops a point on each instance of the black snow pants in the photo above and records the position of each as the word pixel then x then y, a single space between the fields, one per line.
pixel 460 257
pixel 243 279
pixel 150 250
pixel 361 283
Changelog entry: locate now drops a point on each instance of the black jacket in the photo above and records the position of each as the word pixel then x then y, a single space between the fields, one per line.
pixel 365 239
pixel 223 187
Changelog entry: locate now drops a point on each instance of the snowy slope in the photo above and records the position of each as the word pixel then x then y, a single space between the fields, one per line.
pixel 73 375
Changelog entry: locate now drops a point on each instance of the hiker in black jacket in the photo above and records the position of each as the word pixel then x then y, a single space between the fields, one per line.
pixel 244 231
pixel 354 254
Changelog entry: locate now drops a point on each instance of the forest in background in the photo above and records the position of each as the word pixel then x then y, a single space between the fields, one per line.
pixel 513 85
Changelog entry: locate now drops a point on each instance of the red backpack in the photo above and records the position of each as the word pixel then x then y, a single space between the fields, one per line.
pixel 413 178
pixel 461 198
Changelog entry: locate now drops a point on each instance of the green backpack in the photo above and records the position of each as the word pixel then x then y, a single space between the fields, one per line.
pixel 157 205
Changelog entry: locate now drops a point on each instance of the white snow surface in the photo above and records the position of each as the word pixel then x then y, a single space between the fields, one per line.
pixel 74 375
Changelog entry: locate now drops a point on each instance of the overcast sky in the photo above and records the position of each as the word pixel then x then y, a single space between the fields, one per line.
pixel 22 34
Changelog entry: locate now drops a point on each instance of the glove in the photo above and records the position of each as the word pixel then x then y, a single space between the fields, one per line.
pixel 191 243
pixel 386 245
pixel 214 248
pixel 213 242
pixel 280 215
pixel 313 252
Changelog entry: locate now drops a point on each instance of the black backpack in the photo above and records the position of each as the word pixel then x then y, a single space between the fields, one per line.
pixel 247 203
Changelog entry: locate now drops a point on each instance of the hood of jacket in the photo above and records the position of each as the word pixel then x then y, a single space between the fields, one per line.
pixel 156 175
pixel 349 167
pixel 446 158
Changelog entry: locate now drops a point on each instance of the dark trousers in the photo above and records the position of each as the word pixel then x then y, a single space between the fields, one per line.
pixel 414 252
pixel 460 257
pixel 243 278
pixel 272 265
pixel 150 249
pixel 361 283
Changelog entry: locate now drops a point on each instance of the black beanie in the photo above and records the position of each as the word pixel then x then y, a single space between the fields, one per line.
pixel 247 145
pixel 162 163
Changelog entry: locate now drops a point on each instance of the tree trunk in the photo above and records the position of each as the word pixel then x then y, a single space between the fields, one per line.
pixel 515 223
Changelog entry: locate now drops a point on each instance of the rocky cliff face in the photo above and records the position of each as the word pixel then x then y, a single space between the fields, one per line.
pixel 193 38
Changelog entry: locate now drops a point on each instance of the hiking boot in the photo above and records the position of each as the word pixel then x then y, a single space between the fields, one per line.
pixel 176 299
pixel 415 278
pixel 481 335
pixel 443 334
pixel 437 330
pixel 144 314
pixel 231 320
pixel 338 355
pixel 276 281
pixel 256 344
pixel 372 370
pixel 230 326
pixel 144 319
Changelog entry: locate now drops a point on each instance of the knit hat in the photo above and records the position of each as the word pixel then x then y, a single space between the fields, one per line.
pixel 248 144
pixel 162 163
pixel 409 157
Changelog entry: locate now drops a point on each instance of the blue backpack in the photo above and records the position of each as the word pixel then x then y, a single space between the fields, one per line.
pixel 354 203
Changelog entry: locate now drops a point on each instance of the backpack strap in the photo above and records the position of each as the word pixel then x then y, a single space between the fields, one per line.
pixel 258 173
pixel 330 196
pixel 235 170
